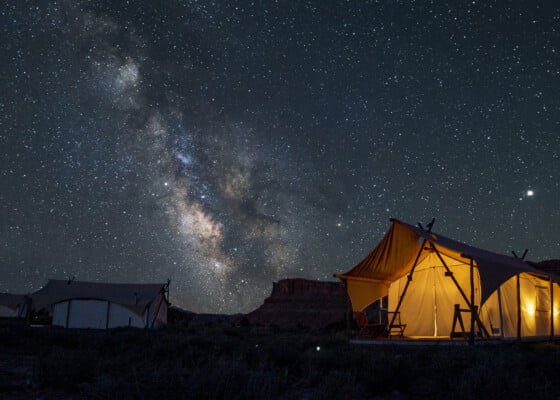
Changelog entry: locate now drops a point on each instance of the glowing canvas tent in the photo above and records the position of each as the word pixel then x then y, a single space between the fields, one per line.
pixel 434 283
pixel 13 305
pixel 75 304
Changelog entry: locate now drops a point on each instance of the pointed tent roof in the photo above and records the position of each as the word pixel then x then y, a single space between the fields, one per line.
pixel 134 296
pixel 396 254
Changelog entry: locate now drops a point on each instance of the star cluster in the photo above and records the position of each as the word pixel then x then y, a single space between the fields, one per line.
pixel 228 144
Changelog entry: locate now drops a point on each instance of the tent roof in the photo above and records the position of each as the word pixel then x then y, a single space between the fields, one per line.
pixel 395 255
pixel 13 301
pixel 134 296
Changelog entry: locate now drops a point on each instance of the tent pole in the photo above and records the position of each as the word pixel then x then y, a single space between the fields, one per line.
pixel 501 312
pixel 551 310
pixel 473 314
pixel 68 313
pixel 407 284
pixel 156 311
pixel 518 308
pixel 164 290
pixel 469 304
pixel 451 275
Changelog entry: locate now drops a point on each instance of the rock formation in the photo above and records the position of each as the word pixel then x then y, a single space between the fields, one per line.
pixel 302 303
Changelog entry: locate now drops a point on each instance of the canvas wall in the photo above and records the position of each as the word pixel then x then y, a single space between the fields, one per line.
pixel 95 314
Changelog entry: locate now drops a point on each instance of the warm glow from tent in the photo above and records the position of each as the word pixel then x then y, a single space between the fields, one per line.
pixel 530 308
pixel 428 281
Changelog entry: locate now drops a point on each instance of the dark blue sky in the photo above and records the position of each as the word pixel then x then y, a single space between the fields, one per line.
pixel 228 144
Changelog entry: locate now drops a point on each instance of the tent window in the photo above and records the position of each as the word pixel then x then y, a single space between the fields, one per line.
pixel 543 298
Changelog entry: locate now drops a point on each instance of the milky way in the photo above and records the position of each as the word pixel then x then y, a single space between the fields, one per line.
pixel 226 145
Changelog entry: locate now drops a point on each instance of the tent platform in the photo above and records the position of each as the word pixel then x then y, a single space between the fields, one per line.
pixel 446 341
pixel 412 341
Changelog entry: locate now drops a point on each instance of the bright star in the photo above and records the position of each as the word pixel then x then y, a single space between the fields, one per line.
pixel 530 193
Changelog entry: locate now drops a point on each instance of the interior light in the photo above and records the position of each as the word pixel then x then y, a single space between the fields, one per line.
pixel 530 308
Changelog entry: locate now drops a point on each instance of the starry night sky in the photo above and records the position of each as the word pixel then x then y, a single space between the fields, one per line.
pixel 229 144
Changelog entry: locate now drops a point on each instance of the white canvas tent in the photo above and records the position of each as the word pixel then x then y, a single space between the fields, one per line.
pixel 75 304
pixel 433 283
pixel 13 305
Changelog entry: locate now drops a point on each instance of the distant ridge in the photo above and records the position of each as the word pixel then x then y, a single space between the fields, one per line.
pixel 549 266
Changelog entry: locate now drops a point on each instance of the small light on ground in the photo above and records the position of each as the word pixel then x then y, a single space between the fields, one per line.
pixel 318 348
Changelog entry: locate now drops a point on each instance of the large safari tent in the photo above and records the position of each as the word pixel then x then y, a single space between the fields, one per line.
pixel 436 287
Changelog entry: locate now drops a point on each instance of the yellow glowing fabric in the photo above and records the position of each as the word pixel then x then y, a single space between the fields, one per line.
pixel 391 259
pixel 428 305
pixel 363 293
pixel 431 297
pixel 500 310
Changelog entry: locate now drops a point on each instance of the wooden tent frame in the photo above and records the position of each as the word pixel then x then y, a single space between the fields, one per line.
pixel 470 302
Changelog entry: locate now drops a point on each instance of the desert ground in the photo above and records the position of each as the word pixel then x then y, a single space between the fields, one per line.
pixel 228 358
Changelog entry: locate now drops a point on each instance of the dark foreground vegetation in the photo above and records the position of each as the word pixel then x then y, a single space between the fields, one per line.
pixel 225 361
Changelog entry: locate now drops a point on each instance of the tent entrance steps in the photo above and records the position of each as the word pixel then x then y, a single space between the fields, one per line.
pixel 395 328
pixel 458 318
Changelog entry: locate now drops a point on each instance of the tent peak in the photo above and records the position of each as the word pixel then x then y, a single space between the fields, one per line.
pixel 522 256
pixel 429 226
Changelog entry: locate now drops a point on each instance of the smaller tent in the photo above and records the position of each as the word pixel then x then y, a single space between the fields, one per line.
pixel 13 305
pixel 75 304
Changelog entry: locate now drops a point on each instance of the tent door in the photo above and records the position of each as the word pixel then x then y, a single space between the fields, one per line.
pixel 542 310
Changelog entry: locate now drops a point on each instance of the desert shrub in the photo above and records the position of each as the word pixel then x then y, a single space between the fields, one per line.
pixel 213 364
pixel 263 384
pixel 284 356
pixel 338 384
pixel 66 370
pixel 234 332
pixel 324 359
pixel 252 355
pixel 220 380
pixel 200 342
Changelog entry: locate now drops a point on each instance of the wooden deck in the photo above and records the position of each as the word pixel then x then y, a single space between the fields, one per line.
pixel 412 341
pixel 445 341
